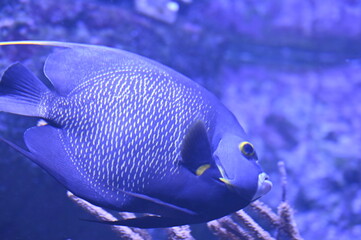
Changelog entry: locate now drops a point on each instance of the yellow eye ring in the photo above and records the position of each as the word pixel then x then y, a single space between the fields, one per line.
pixel 247 149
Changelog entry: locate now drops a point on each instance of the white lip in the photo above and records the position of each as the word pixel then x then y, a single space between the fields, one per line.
pixel 264 186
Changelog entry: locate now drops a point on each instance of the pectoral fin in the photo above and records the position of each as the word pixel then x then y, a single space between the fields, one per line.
pixel 196 151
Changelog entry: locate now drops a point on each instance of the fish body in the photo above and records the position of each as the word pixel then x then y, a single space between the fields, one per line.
pixel 129 134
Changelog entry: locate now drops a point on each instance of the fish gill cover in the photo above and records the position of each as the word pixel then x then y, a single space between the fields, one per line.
pixel 290 77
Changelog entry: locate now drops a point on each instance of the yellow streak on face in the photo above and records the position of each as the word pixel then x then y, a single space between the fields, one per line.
pixel 202 169
pixel 226 181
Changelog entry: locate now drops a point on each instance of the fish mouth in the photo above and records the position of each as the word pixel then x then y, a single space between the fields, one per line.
pixel 264 186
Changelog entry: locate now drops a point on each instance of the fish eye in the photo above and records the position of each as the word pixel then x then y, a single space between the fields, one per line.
pixel 247 149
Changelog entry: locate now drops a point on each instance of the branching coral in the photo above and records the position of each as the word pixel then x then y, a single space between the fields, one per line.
pixel 240 225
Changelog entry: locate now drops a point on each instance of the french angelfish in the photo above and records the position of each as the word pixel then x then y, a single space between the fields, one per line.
pixel 129 134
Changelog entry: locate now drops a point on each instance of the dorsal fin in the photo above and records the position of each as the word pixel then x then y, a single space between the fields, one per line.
pixel 68 68
pixel 76 63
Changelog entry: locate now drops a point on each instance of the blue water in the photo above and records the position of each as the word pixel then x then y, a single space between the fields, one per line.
pixel 289 70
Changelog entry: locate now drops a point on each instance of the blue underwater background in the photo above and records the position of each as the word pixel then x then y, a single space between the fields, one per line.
pixel 289 70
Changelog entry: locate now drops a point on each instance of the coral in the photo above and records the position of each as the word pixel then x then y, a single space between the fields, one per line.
pixel 225 228
pixel 239 225
pixel 124 232
pixel 179 233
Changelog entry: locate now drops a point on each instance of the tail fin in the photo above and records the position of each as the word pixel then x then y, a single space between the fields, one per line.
pixel 21 91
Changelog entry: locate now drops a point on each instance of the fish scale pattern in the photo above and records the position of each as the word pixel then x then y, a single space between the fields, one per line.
pixel 123 127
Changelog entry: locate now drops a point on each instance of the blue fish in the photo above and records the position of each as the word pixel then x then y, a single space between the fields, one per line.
pixel 129 134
